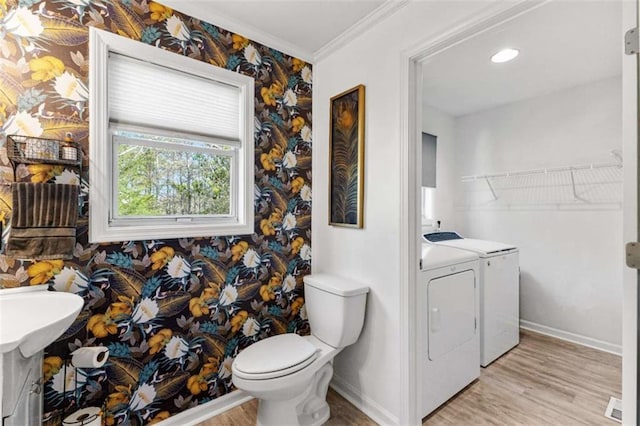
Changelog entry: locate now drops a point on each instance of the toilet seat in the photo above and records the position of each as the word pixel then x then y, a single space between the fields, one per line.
pixel 275 356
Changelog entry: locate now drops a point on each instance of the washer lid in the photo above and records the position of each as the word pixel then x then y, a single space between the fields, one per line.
pixel 436 256
pixel 274 354
pixel 482 247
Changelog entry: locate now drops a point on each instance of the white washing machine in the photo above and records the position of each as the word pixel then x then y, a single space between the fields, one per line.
pixel 499 291
pixel 449 345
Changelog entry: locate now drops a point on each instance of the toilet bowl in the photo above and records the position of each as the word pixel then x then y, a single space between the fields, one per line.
pixel 289 374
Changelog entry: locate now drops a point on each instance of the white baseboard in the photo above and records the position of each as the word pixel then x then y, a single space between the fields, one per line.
pixel 203 412
pixel 362 402
pixel 572 337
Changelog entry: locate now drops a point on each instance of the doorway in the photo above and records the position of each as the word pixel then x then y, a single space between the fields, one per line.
pixel 599 207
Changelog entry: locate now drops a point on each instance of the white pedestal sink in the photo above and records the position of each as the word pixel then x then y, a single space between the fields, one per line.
pixel 30 320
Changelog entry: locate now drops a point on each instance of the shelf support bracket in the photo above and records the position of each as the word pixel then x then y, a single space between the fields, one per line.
pixel 573 188
pixel 493 192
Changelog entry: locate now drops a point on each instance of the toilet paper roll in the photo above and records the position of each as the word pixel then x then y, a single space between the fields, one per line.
pixel 90 357
pixel 90 416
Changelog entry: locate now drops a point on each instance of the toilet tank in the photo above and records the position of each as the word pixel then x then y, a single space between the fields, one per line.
pixel 335 308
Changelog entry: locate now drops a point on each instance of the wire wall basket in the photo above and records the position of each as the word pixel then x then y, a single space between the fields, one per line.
pixel 32 150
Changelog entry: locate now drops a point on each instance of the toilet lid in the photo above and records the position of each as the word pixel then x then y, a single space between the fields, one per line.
pixel 276 354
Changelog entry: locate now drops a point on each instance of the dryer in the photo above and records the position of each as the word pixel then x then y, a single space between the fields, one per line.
pixel 499 291
pixel 449 345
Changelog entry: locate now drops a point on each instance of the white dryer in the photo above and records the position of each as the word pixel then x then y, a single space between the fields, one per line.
pixel 499 291
pixel 449 345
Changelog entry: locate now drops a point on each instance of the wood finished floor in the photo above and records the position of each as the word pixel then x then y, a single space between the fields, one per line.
pixel 543 381
pixel 342 413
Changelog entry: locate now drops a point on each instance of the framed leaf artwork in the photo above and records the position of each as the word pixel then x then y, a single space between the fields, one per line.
pixel 346 162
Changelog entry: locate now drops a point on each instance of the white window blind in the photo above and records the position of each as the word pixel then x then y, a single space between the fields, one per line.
pixel 184 120
pixel 144 94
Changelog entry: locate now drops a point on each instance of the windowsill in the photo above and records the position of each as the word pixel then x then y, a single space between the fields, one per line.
pixel 142 232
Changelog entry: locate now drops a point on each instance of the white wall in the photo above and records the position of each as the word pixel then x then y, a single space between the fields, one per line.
pixel 442 125
pixel 371 367
pixel 571 279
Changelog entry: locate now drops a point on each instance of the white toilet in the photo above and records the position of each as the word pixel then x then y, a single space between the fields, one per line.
pixel 290 374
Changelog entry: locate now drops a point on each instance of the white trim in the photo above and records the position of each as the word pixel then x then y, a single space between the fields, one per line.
pixel 362 402
pixel 490 17
pixel 251 32
pixel 98 131
pixel 100 227
pixel 378 14
pixel 410 395
pixel 630 16
pixel 410 121
pixel 257 35
pixel 200 413
pixel 572 337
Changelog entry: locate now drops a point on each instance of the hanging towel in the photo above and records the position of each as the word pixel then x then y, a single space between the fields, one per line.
pixel 43 222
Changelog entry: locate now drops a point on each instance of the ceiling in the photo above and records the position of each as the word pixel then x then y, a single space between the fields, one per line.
pixel 562 44
pixel 300 27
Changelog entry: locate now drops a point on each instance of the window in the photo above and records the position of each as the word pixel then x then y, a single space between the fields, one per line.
pixel 427 203
pixel 171 144
pixel 429 160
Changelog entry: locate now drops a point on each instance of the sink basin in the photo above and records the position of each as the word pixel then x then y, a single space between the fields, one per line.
pixel 33 320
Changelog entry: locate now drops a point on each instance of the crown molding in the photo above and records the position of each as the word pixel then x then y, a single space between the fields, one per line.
pixel 249 31
pixel 388 8
pixel 484 20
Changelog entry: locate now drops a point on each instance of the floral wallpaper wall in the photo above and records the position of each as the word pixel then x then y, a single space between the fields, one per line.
pixel 173 313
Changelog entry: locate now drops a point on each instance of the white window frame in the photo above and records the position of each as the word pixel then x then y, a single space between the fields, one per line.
pixel 103 226
pixel 117 140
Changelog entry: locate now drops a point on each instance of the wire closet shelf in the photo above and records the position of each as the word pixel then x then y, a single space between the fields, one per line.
pixel 588 186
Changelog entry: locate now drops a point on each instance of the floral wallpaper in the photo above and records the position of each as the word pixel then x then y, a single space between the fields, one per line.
pixel 173 313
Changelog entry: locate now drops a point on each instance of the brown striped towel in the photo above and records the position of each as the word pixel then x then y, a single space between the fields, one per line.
pixel 43 222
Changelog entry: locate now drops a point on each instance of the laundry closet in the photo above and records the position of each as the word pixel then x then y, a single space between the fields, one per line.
pixel 522 145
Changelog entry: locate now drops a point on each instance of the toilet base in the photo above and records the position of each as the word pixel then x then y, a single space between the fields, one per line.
pixel 310 408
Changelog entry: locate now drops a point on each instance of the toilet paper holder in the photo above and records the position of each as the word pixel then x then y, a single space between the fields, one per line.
pixel 88 416
pixel 86 358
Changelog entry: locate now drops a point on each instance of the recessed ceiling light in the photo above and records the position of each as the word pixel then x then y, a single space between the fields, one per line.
pixel 505 55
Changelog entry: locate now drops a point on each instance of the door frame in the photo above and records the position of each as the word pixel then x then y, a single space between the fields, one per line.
pixel 631 277
pixel 410 220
